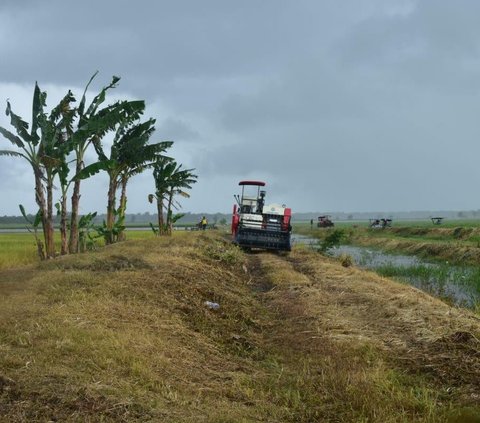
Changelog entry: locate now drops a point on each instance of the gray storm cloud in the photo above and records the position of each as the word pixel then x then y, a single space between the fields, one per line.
pixel 350 106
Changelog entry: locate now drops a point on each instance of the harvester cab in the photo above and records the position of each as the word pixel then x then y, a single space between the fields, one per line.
pixel 258 225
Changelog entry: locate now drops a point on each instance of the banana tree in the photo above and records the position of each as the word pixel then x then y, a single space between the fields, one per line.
pixel 31 147
pixel 130 154
pixel 132 171
pixel 92 125
pixel 180 181
pixel 33 228
pixel 170 179
pixel 86 226
pixel 57 131
pixel 162 168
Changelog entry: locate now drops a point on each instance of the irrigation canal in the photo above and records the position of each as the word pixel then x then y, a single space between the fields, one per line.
pixel 459 285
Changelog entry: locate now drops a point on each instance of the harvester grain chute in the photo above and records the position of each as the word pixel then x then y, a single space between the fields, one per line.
pixel 257 225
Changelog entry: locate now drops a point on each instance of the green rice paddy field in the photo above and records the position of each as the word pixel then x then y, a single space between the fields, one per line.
pixel 17 249
pixel 424 223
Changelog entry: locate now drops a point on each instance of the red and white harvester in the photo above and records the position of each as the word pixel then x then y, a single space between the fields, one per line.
pixel 257 225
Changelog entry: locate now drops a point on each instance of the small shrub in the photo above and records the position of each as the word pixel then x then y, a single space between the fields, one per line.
pixel 346 260
pixel 461 233
pixel 457 233
pixel 228 254
pixel 333 239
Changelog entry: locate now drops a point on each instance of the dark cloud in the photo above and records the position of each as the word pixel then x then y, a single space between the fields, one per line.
pixel 338 105
pixel 175 129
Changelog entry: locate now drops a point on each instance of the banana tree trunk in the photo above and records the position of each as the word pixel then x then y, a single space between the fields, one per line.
pixel 112 187
pixel 63 224
pixel 49 241
pixel 40 199
pixel 123 207
pixel 161 224
pixel 169 213
pixel 40 245
pixel 73 239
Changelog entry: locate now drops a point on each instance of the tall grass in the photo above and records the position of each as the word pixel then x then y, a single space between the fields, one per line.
pixel 458 285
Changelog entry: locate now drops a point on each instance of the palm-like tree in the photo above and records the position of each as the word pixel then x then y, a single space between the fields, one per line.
pixel 162 169
pixel 92 125
pixel 170 179
pixel 52 138
pixel 44 148
pixel 125 177
pixel 180 181
pixel 57 145
pixel 130 153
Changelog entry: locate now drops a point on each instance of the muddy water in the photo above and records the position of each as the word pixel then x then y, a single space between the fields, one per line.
pixel 458 284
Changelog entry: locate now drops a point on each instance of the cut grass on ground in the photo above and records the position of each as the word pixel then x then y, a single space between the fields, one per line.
pixel 124 334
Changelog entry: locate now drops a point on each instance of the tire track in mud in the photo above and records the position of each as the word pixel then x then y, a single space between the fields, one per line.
pixel 291 328
pixel 321 305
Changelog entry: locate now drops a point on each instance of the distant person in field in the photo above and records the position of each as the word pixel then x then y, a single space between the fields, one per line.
pixel 311 223
pixel 204 223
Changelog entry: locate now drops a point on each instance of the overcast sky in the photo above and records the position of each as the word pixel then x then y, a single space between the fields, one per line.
pixel 351 105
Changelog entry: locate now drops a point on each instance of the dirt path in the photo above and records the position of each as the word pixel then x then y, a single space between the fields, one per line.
pixel 325 306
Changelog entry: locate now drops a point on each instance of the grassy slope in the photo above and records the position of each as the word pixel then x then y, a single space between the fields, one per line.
pixel 123 334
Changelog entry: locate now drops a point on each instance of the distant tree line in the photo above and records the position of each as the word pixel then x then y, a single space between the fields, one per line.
pixel 55 144
pixel 190 218
pixel 130 218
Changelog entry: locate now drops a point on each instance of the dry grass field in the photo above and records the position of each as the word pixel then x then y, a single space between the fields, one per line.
pixel 124 334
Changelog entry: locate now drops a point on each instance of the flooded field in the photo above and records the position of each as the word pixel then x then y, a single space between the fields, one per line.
pixel 459 285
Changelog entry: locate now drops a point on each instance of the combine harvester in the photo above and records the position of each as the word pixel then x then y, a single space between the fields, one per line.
pixel 257 225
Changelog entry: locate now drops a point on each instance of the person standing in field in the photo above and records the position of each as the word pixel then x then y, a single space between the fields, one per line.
pixel 204 223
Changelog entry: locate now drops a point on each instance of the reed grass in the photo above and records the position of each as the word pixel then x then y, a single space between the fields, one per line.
pixel 440 279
